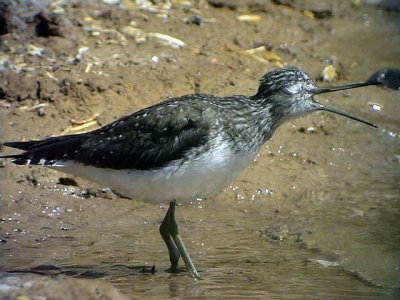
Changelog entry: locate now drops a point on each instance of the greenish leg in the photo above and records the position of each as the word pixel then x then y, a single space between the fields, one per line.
pixel 176 247
pixel 166 235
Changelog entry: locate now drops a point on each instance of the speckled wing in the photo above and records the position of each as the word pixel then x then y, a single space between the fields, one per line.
pixel 147 139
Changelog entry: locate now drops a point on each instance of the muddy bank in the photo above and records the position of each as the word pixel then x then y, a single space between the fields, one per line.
pixel 305 219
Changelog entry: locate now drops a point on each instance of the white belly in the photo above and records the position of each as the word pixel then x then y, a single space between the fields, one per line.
pixel 201 177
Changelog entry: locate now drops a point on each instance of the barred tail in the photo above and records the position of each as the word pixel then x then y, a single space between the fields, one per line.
pixel 47 152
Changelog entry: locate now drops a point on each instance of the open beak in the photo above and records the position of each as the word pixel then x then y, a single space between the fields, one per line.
pixel 342 87
pixel 337 111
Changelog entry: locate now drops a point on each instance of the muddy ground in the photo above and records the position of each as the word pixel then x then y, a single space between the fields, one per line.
pixel 316 216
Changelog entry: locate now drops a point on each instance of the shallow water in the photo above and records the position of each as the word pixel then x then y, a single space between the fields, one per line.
pixel 316 216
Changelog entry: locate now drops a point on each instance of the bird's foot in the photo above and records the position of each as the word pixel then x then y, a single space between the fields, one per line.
pixel 175 245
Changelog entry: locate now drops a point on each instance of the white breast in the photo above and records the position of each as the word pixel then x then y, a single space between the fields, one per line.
pixel 201 176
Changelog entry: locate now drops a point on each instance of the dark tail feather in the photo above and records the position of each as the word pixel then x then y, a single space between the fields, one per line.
pixel 22 145
pixel 46 152
pixel 30 145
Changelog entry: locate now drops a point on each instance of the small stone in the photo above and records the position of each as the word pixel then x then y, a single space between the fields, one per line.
pixel 196 20
pixel 329 73
pixel 375 106
pixel 67 181
pixel 41 112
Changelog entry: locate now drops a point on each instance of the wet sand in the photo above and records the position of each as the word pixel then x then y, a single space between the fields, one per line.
pixel 315 216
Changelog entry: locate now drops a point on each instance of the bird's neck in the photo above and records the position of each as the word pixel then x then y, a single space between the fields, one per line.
pixel 271 114
pixel 269 122
pixel 256 122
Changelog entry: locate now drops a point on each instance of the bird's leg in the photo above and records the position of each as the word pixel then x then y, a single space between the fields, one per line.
pixel 176 247
pixel 169 220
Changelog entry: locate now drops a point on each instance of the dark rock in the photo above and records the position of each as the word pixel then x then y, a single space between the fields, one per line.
pixel 45 268
pixel 389 77
pixel 223 3
pixel 67 181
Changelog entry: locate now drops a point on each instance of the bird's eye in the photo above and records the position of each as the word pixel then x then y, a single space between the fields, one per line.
pixel 287 91
pixel 292 89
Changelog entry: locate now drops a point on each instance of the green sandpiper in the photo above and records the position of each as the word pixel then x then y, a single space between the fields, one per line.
pixel 184 148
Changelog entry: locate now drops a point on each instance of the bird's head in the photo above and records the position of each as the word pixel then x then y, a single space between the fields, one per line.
pixel 289 92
